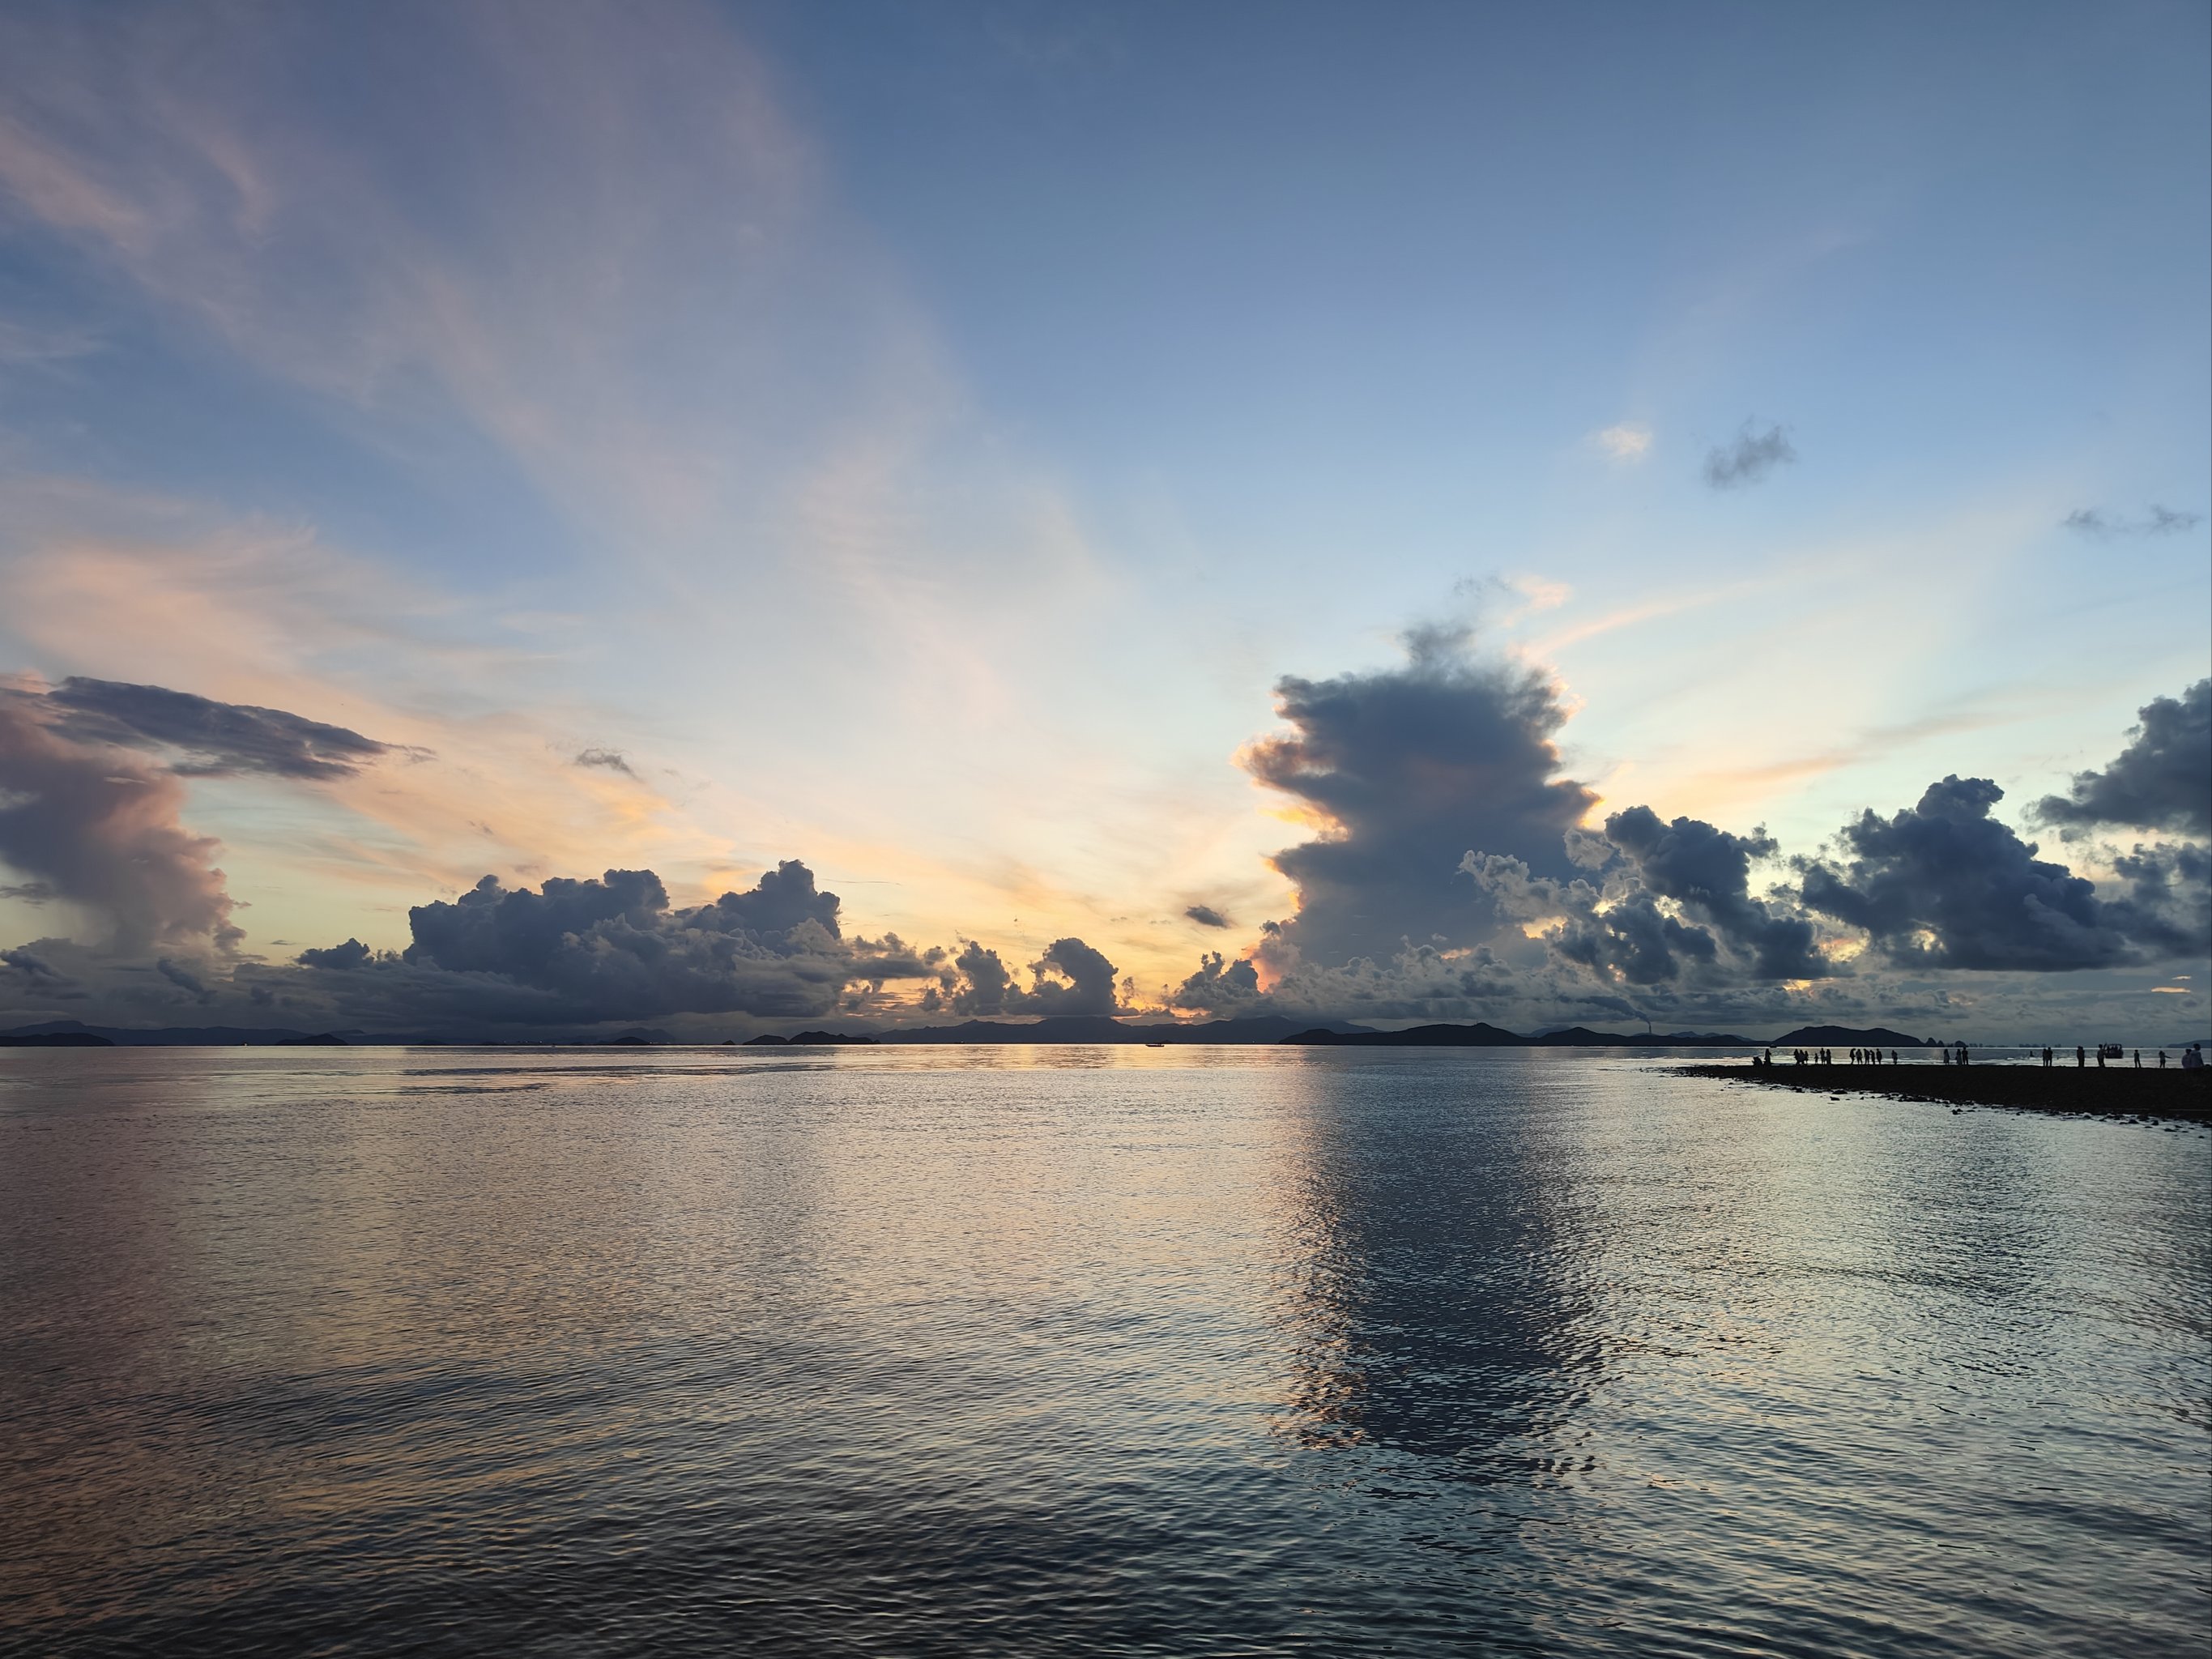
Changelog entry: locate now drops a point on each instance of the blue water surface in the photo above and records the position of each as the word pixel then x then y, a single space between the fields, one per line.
pixel 1085 1351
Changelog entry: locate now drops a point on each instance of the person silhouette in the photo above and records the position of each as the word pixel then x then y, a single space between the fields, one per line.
pixel 2081 1055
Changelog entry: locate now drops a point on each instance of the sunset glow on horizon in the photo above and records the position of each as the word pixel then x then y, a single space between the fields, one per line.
pixel 1027 468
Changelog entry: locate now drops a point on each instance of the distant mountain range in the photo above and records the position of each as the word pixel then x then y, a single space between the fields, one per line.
pixel 1099 1028
pixel 1056 1029
pixel 1491 1037
pixel 1276 1028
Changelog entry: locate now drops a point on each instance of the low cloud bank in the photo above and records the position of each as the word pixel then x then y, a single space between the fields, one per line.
pixel 1071 977
pixel 1529 915
pixel 582 952
pixel 1448 875
pixel 91 795
pixel 1942 884
pixel 1664 902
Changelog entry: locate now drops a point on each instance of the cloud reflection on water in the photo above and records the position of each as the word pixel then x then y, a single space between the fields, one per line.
pixel 1439 1273
pixel 1095 1350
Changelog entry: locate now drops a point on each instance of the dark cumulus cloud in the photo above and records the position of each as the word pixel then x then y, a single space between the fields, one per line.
pixel 981 982
pixel 1206 916
pixel 2171 883
pixel 1707 871
pixel 606 760
pixel 215 739
pixel 583 951
pixel 96 826
pixel 1943 884
pixel 41 975
pixel 1419 982
pixel 1648 914
pixel 1749 458
pixel 93 822
pixel 1663 902
pixel 1071 977
pixel 2161 781
pixel 181 975
pixel 351 954
pixel 1406 768
pixel 2154 521
pixel 1220 986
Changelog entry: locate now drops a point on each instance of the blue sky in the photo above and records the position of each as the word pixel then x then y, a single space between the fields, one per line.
pixel 918 439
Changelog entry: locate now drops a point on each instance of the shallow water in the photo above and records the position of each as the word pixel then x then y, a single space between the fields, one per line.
pixel 1084 1351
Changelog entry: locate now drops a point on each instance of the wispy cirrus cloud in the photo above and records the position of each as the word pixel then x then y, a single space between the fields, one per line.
pixel 593 247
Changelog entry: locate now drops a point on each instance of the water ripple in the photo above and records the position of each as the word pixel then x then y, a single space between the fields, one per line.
pixel 1085 1352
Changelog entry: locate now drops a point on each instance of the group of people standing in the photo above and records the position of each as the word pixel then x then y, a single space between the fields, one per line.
pixel 1827 1057
pixel 2191 1057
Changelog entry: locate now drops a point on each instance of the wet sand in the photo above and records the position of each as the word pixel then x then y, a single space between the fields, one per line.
pixel 2112 1092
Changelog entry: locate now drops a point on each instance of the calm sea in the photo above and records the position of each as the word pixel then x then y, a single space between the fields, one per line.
pixel 1037 1351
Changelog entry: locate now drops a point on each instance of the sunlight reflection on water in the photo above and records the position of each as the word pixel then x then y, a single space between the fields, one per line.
pixel 1084 1351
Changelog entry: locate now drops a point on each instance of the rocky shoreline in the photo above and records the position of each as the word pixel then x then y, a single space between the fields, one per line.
pixel 2110 1091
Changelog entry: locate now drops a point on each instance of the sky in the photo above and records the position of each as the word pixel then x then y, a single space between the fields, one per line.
pixel 1563 514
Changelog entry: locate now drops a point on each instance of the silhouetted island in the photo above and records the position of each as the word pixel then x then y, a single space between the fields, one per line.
pixel 54 1040
pixel 808 1040
pixel 1848 1037
pixel 1479 1035
pixel 2110 1091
